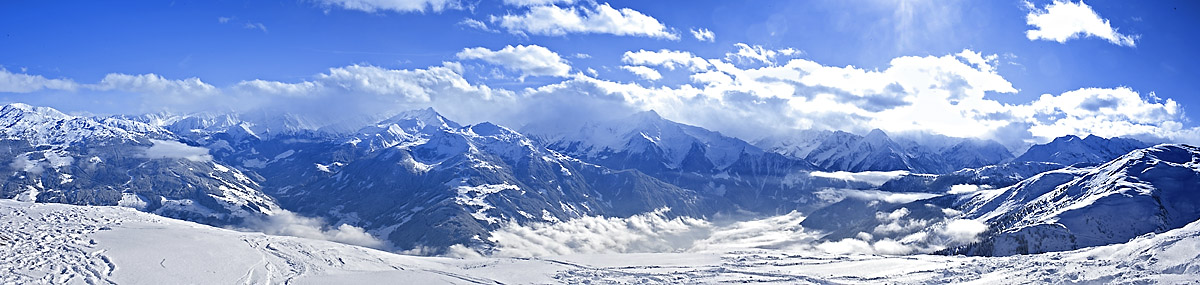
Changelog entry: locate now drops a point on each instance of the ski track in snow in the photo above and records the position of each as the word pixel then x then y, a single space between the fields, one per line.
pixel 64 244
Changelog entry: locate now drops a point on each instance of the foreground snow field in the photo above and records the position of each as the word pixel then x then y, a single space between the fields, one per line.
pixel 55 243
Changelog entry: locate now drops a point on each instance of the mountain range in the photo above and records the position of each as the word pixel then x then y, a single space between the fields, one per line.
pixel 425 183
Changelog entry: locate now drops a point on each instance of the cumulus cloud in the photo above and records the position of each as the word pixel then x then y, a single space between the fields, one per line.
pixel 552 20
pixel 154 84
pixel 174 149
pixel 25 83
pixel 402 6
pixel 1106 112
pixel 749 93
pixel 666 58
pixel 286 223
pixel 704 35
pixel 375 93
pixel 530 60
pixel 756 53
pixel 646 73
pixel 1065 20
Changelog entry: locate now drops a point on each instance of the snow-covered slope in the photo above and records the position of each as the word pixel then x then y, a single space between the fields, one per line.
pixel 64 244
pixel 1145 191
pixel 1070 150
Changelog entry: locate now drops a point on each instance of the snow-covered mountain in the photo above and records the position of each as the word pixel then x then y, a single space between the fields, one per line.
pixel 993 176
pixel 425 183
pixel 689 157
pixel 1145 191
pixel 1071 150
pixel 659 144
pixel 422 181
pixel 1148 190
pixel 876 151
pixel 54 157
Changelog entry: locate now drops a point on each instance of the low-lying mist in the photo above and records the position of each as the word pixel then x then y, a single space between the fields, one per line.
pixel 893 232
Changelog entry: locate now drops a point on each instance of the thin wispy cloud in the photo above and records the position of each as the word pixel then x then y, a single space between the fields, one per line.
pixel 401 6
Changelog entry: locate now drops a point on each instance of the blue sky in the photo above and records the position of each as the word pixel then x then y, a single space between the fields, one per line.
pixel 1134 79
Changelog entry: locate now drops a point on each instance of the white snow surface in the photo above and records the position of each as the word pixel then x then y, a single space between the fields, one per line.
pixel 65 244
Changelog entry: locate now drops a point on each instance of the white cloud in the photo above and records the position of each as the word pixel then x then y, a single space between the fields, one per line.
pixel 286 223
pixel 778 232
pixel 531 60
pixel 373 92
pixel 174 149
pixel 834 195
pixel 756 53
pixel 25 83
pixel 936 94
pixel 646 73
pixel 963 188
pixel 477 24
pixel 536 2
pixel 704 35
pixel 278 88
pixel 599 19
pixel 154 84
pixel 666 58
pixel 650 232
pixel 256 26
pixel 403 6
pixel 1065 20
pixel 871 177
pixel 223 19
pixel 897 233
pixel 963 231
pixel 847 246
pixel 1106 112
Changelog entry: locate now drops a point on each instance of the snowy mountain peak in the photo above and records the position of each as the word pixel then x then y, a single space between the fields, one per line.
pixel 25 111
pixel 47 126
pixel 1069 150
pixel 420 119
pixel 647 116
pixel 488 129
pixel 878 138
pixel 876 134
pixel 1066 138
